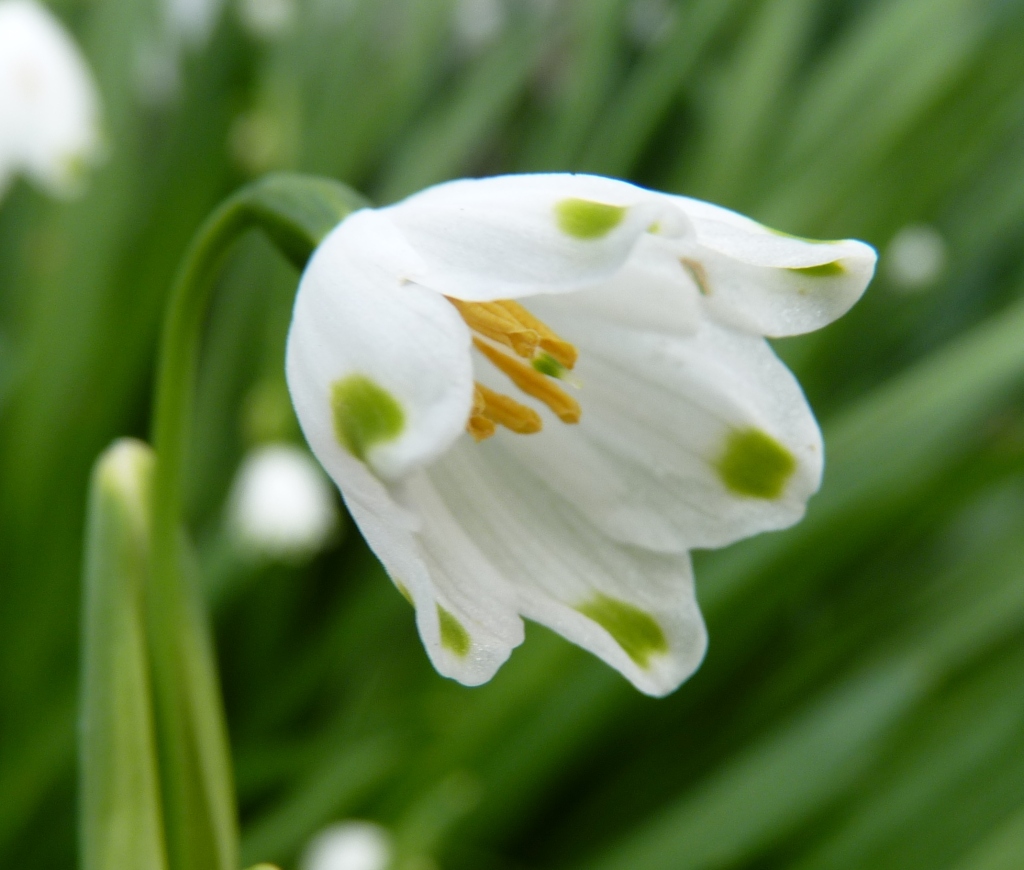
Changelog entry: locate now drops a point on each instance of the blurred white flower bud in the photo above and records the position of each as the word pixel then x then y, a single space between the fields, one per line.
pixel 49 106
pixel 478 22
pixel 915 258
pixel 281 505
pixel 266 19
pixel 190 22
pixel 351 845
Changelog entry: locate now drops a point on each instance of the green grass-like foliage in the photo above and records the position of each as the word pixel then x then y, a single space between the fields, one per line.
pixel 860 704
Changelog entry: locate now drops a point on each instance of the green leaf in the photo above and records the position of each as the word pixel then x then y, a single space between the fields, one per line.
pixel 195 759
pixel 120 816
pixel 769 787
pixel 1003 850
pixel 646 96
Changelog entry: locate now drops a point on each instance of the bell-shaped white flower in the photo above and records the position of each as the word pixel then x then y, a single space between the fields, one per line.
pixel 350 845
pixel 281 507
pixel 538 393
pixel 49 107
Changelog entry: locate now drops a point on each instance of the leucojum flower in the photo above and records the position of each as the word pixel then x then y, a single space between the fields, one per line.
pixel 49 107
pixel 538 393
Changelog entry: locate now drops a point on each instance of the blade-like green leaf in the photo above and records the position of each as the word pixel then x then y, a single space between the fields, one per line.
pixel 120 815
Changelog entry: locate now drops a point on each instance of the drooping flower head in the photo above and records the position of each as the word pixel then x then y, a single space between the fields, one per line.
pixel 538 393
pixel 49 108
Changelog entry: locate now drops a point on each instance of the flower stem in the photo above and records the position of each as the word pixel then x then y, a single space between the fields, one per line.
pixel 296 212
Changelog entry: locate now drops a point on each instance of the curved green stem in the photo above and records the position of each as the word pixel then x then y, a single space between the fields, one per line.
pixel 296 212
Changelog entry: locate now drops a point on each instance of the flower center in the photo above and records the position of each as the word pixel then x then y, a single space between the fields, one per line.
pixel 508 324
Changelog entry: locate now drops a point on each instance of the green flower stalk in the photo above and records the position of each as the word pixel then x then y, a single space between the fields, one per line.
pixel 142 594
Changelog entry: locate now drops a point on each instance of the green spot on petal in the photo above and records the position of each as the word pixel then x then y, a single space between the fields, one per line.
pixel 825 270
pixel 634 630
pixel 755 464
pixel 546 364
pixel 585 219
pixel 364 414
pixel 453 636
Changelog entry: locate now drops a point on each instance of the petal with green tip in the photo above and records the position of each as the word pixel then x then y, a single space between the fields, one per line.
pixel 518 235
pixel 378 367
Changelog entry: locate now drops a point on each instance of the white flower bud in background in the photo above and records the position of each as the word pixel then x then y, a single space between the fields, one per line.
pixel 352 845
pixel 190 22
pixel 49 106
pixel 184 26
pixel 478 22
pixel 915 258
pixel 266 19
pixel 281 506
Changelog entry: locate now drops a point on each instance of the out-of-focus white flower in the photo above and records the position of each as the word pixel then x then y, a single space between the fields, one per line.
pixel 281 506
pixel 49 107
pixel 184 26
pixel 190 22
pixel 478 22
pixel 429 362
pixel 353 845
pixel 916 257
pixel 266 19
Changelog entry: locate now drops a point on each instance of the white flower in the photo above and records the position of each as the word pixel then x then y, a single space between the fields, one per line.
pixel 349 845
pixel 464 307
pixel 478 22
pixel 915 257
pixel 267 19
pixel 280 506
pixel 49 108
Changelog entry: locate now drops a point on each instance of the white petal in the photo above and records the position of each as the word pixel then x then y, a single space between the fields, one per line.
pixel 770 283
pixel 377 369
pixel 652 291
pixel 465 612
pixel 666 454
pixel 49 106
pixel 517 235
pixel 634 609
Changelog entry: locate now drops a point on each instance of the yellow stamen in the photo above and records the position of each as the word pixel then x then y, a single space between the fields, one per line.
pixel 533 383
pixel 499 408
pixel 493 321
pixel 480 427
pixel 554 344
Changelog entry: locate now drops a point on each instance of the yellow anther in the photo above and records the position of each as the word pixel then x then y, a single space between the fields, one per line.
pixel 480 427
pixel 491 320
pixel 563 351
pixel 533 383
pixel 479 402
pixel 501 409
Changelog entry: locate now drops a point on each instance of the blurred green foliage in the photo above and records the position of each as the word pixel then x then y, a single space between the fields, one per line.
pixel 861 704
